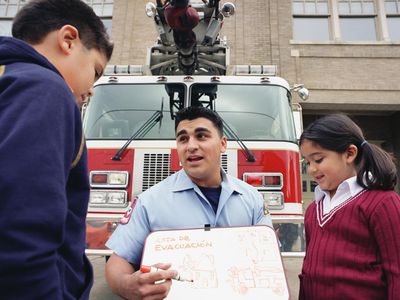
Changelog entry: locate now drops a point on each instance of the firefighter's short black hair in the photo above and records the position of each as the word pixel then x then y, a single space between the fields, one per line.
pixel 195 112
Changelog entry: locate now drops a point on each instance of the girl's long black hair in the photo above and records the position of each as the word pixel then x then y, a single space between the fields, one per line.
pixel 376 169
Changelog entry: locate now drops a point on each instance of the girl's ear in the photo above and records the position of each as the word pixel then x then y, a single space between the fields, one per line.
pixel 351 153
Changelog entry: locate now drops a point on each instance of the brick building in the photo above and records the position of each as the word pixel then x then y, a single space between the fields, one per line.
pixel 346 52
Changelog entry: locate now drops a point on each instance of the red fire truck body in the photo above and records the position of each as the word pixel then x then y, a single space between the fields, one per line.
pixel 130 136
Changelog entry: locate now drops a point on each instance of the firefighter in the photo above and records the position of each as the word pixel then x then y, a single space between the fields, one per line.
pixel 201 193
pixel 59 48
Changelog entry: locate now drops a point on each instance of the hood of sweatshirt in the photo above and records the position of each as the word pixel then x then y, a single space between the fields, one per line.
pixel 13 50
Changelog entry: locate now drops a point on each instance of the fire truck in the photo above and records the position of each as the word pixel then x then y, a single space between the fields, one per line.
pixel 129 122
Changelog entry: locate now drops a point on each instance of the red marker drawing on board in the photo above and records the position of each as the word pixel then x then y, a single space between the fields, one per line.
pixel 150 269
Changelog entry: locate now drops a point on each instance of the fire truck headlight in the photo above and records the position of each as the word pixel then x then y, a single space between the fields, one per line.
pixel 118 179
pixel 108 198
pixel 117 198
pixel 274 199
pixel 150 9
pixel 97 197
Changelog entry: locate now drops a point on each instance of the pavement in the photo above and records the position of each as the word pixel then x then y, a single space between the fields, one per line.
pixel 101 291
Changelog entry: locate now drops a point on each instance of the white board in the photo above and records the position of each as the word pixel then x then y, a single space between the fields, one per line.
pixel 224 262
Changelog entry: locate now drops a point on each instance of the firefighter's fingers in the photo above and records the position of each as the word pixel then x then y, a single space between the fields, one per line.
pixel 158 290
pixel 159 273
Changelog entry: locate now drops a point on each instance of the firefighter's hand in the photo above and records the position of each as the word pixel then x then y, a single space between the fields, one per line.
pixel 154 285
pixel 137 285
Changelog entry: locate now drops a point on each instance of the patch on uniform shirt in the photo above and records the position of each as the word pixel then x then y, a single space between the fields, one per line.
pixel 125 219
pixel 265 206
pixel 2 69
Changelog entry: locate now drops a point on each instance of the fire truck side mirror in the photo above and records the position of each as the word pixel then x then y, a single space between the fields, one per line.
pixel 83 109
pixel 298 119
pixel 301 91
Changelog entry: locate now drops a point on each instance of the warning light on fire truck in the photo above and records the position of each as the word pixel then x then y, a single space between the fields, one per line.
pixel 107 179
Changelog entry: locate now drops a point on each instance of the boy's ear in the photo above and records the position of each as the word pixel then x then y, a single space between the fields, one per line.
pixel 67 37
pixel 351 153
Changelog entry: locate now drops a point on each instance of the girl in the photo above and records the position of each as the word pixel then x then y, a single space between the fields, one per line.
pixel 352 228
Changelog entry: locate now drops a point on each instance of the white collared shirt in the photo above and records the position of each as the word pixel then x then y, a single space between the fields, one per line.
pixel 347 189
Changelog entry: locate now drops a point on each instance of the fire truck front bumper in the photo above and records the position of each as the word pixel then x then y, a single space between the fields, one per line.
pixel 98 232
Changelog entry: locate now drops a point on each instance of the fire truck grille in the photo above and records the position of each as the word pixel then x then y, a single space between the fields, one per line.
pixel 156 168
pixel 224 162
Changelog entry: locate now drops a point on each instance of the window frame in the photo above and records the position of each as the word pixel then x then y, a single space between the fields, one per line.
pixel 392 15
pixel 373 15
pixel 380 19
pixel 20 3
pixel 5 6
pixel 103 3
pixel 316 15
pixel 103 16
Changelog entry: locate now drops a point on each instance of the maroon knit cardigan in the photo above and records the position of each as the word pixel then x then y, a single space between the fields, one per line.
pixel 353 252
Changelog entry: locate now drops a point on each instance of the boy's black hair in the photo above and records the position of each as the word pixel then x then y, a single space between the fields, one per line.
pixel 38 18
pixel 336 132
pixel 195 112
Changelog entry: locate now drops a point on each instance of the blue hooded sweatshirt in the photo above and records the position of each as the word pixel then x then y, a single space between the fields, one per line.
pixel 44 188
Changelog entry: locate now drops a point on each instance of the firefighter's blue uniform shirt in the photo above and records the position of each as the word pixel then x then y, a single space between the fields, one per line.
pixel 44 185
pixel 177 203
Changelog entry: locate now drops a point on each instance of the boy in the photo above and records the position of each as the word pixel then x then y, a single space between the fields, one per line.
pixel 60 47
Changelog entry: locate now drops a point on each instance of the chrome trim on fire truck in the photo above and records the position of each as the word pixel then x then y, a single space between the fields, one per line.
pixel 265 187
pixel 101 252
pixel 291 209
pixel 107 185
pixel 253 145
pixel 287 219
pixel 108 205
pixel 197 79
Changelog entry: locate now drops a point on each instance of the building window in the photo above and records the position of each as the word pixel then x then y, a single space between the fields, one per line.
pixel 104 9
pixel 303 167
pixel 313 185
pixel 310 20
pixel 357 20
pixel 8 10
pixel 5 27
pixel 304 185
pixel 108 24
pixel 392 8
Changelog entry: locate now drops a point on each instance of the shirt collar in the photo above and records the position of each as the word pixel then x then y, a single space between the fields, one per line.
pixel 185 183
pixel 350 185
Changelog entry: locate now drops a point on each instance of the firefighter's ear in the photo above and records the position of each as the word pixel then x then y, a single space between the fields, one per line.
pixel 67 37
pixel 224 144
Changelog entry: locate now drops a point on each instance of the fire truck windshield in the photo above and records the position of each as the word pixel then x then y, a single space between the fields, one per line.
pixel 254 112
pixel 118 111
